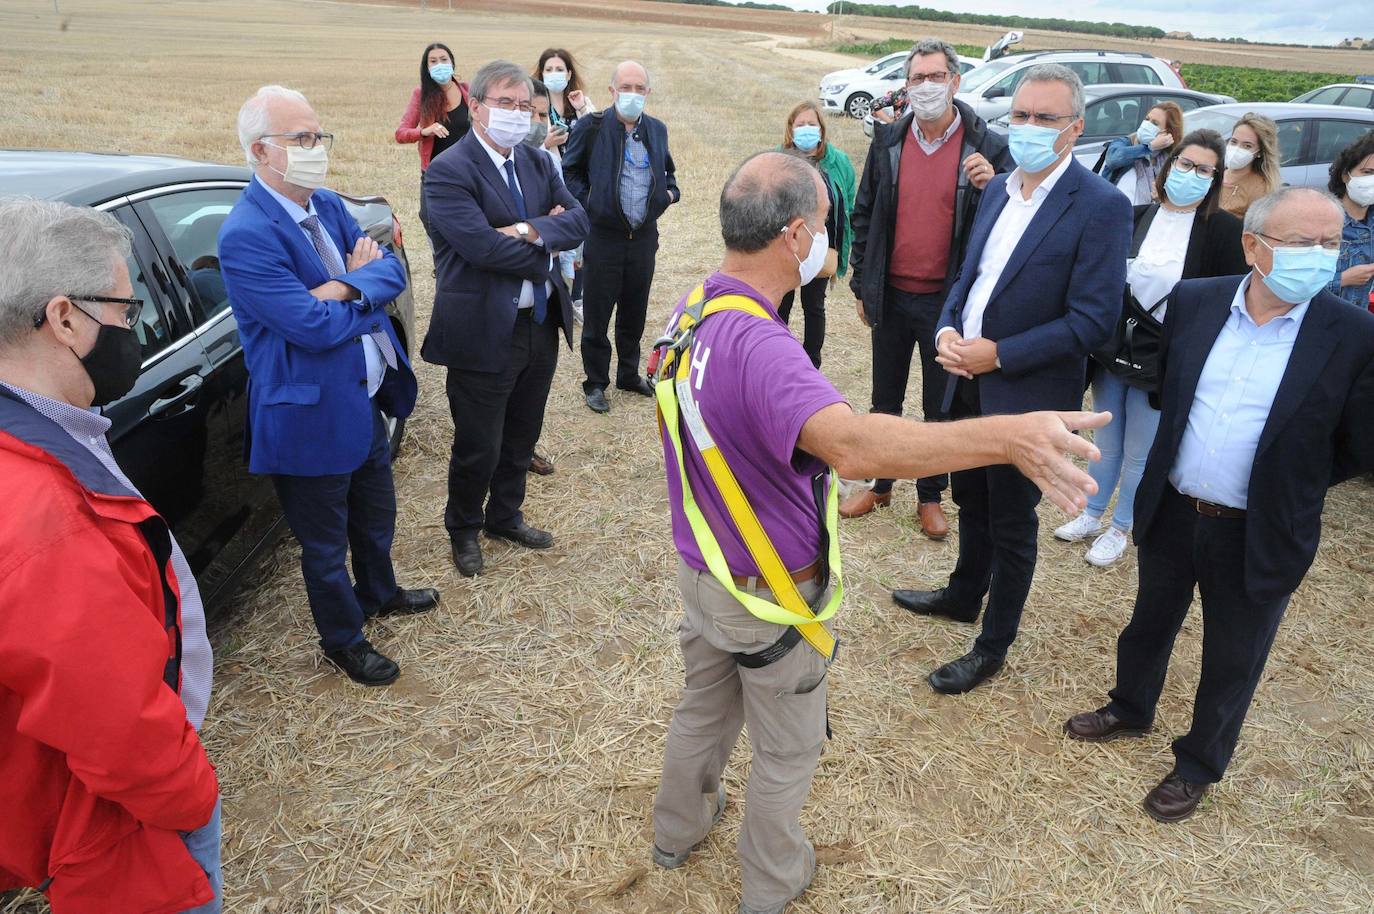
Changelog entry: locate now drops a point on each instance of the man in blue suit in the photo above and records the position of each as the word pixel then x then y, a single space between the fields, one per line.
pixel 325 367
pixel 1040 287
pixel 498 214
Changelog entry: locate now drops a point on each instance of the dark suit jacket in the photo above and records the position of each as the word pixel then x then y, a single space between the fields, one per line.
pixel 479 270
pixel 1319 431
pixel 1059 296
pixel 1214 247
pixel 594 156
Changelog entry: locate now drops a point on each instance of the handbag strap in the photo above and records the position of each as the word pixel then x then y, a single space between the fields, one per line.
pixel 1142 229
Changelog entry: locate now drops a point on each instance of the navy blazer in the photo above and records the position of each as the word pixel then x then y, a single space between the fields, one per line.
pixel 592 161
pixel 479 270
pixel 308 409
pixel 1319 431
pixel 1059 296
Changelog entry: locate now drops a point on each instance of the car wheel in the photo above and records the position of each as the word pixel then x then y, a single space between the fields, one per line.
pixel 396 429
pixel 858 105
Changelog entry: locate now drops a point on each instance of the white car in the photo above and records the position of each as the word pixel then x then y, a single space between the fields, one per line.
pixel 852 91
pixel 988 88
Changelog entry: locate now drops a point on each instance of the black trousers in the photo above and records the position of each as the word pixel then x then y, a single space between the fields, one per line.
pixel 331 515
pixel 908 323
pixel 997 539
pixel 497 417
pixel 813 310
pixel 1186 550
pixel 618 269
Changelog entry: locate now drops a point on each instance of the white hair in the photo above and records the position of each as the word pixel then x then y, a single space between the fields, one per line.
pixel 49 249
pixel 1257 216
pixel 255 120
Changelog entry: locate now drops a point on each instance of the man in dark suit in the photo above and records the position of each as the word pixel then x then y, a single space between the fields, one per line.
pixel 499 216
pixel 1040 288
pixel 1266 398
pixel 618 165
pixel 308 289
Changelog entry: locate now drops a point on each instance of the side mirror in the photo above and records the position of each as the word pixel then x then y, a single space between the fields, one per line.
pixel 995 92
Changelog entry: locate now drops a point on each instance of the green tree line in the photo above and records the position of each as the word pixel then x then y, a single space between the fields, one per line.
pixel 1113 29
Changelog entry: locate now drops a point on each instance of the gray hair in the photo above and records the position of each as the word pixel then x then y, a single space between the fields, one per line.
pixel 499 73
pixel 756 207
pixel 648 80
pixel 1257 216
pixel 1057 73
pixel 49 249
pixel 255 120
pixel 934 46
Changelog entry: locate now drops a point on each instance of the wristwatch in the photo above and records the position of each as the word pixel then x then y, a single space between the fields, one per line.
pixel 523 230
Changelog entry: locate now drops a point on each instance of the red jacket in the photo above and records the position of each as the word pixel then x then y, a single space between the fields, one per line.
pixel 99 767
pixel 408 130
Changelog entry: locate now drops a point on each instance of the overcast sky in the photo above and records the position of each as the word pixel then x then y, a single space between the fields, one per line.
pixel 1258 20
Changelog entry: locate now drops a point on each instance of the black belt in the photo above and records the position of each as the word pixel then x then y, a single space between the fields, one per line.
pixel 1210 509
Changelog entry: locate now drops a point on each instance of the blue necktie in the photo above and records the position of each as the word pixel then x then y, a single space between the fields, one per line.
pixel 335 267
pixel 541 297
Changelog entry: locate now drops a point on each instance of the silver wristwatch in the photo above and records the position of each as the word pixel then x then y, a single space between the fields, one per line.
pixel 523 230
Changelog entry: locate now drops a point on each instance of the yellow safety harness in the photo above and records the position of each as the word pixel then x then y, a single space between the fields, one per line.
pixel 676 405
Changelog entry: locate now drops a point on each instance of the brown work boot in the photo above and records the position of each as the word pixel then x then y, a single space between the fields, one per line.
pixel 1174 799
pixel 932 517
pixel 863 501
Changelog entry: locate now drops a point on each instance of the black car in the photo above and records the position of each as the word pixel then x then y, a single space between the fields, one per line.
pixel 179 433
pixel 1116 109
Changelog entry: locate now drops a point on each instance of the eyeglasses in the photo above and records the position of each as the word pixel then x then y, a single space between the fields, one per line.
pixel 941 77
pixel 1187 165
pixel 1020 118
pixel 305 139
pixel 507 104
pixel 1331 247
pixel 133 307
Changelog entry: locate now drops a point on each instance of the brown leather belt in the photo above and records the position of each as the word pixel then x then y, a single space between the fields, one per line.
pixel 801 576
pixel 1208 509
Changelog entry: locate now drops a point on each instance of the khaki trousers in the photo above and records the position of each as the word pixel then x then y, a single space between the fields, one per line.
pixel 784 707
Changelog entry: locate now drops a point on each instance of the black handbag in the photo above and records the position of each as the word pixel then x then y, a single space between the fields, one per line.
pixel 1132 354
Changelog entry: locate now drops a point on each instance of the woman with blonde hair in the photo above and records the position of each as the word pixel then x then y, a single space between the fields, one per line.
pixel 1133 162
pixel 1252 163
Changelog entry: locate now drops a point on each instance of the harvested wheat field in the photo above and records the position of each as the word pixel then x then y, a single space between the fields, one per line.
pixel 513 766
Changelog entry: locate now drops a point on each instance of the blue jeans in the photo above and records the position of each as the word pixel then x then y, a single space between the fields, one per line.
pixel 203 843
pixel 1125 443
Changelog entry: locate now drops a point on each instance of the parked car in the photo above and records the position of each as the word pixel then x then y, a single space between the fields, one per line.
pixel 1347 95
pixel 1113 110
pixel 1310 136
pixel 179 434
pixel 988 88
pixel 852 91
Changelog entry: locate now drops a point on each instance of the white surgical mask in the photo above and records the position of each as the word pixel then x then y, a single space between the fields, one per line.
pixel 1238 157
pixel 508 129
pixel 304 167
pixel 929 100
pixel 810 268
pixel 1361 189
pixel 556 80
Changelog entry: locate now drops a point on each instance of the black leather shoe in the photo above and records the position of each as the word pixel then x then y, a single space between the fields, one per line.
pixel 642 386
pixel 965 674
pixel 364 664
pixel 467 555
pixel 1174 799
pixel 596 401
pixel 935 603
pixel 407 602
pixel 1100 726
pixel 524 534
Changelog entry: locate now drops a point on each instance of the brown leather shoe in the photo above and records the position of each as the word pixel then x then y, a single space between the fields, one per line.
pixel 1100 727
pixel 932 517
pixel 541 465
pixel 1174 799
pixel 863 501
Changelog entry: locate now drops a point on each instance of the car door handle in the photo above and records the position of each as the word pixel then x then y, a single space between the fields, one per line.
pixel 189 387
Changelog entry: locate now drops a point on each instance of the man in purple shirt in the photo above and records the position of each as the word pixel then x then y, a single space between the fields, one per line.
pixel 778 424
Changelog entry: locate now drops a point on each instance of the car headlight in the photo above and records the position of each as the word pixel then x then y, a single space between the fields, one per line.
pixel 833 88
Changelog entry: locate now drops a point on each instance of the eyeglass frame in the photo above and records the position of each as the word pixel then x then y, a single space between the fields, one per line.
pixel 1303 243
pixel 526 108
pixel 1188 165
pixel 300 135
pixel 133 307
pixel 1039 117
pixel 942 78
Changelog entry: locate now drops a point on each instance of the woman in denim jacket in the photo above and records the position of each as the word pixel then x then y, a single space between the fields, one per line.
pixel 1352 180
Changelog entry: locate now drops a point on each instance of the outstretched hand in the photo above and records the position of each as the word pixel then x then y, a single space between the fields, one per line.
pixel 1039 446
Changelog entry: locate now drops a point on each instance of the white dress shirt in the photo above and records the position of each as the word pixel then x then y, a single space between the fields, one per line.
pixel 526 299
pixel 1158 267
pixel 372 355
pixel 1006 234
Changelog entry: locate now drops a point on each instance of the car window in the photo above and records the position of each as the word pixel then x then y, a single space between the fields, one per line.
pixel 1358 98
pixel 894 73
pixel 882 62
pixel 1009 82
pixel 191 220
pixel 1091 72
pixel 1184 102
pixel 1138 73
pixel 151 329
pixel 983 74
pixel 1291 134
pixel 1333 136
pixel 1113 117
pixel 1327 96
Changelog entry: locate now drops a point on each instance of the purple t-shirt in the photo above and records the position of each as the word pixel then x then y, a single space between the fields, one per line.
pixel 755 387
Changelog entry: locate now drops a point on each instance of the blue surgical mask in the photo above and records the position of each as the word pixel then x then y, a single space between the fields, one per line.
pixel 441 72
pixel 1146 133
pixel 556 80
pixel 806 137
pixel 629 105
pixel 1300 273
pixel 1033 147
pixel 1186 188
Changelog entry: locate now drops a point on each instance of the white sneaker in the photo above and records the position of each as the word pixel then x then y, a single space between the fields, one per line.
pixel 1108 548
pixel 1080 528
pixel 577 310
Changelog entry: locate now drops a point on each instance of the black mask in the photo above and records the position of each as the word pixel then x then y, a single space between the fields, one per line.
pixel 113 363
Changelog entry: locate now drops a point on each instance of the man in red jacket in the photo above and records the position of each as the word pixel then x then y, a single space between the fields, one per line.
pixel 107 799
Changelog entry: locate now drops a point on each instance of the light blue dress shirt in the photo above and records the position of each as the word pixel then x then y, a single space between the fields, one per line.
pixel 635 181
pixel 372 355
pixel 1234 394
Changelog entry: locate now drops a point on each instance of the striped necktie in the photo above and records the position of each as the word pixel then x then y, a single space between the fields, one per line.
pixel 330 256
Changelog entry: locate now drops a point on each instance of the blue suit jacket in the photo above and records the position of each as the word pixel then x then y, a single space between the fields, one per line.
pixel 479 270
pixel 308 409
pixel 1059 296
